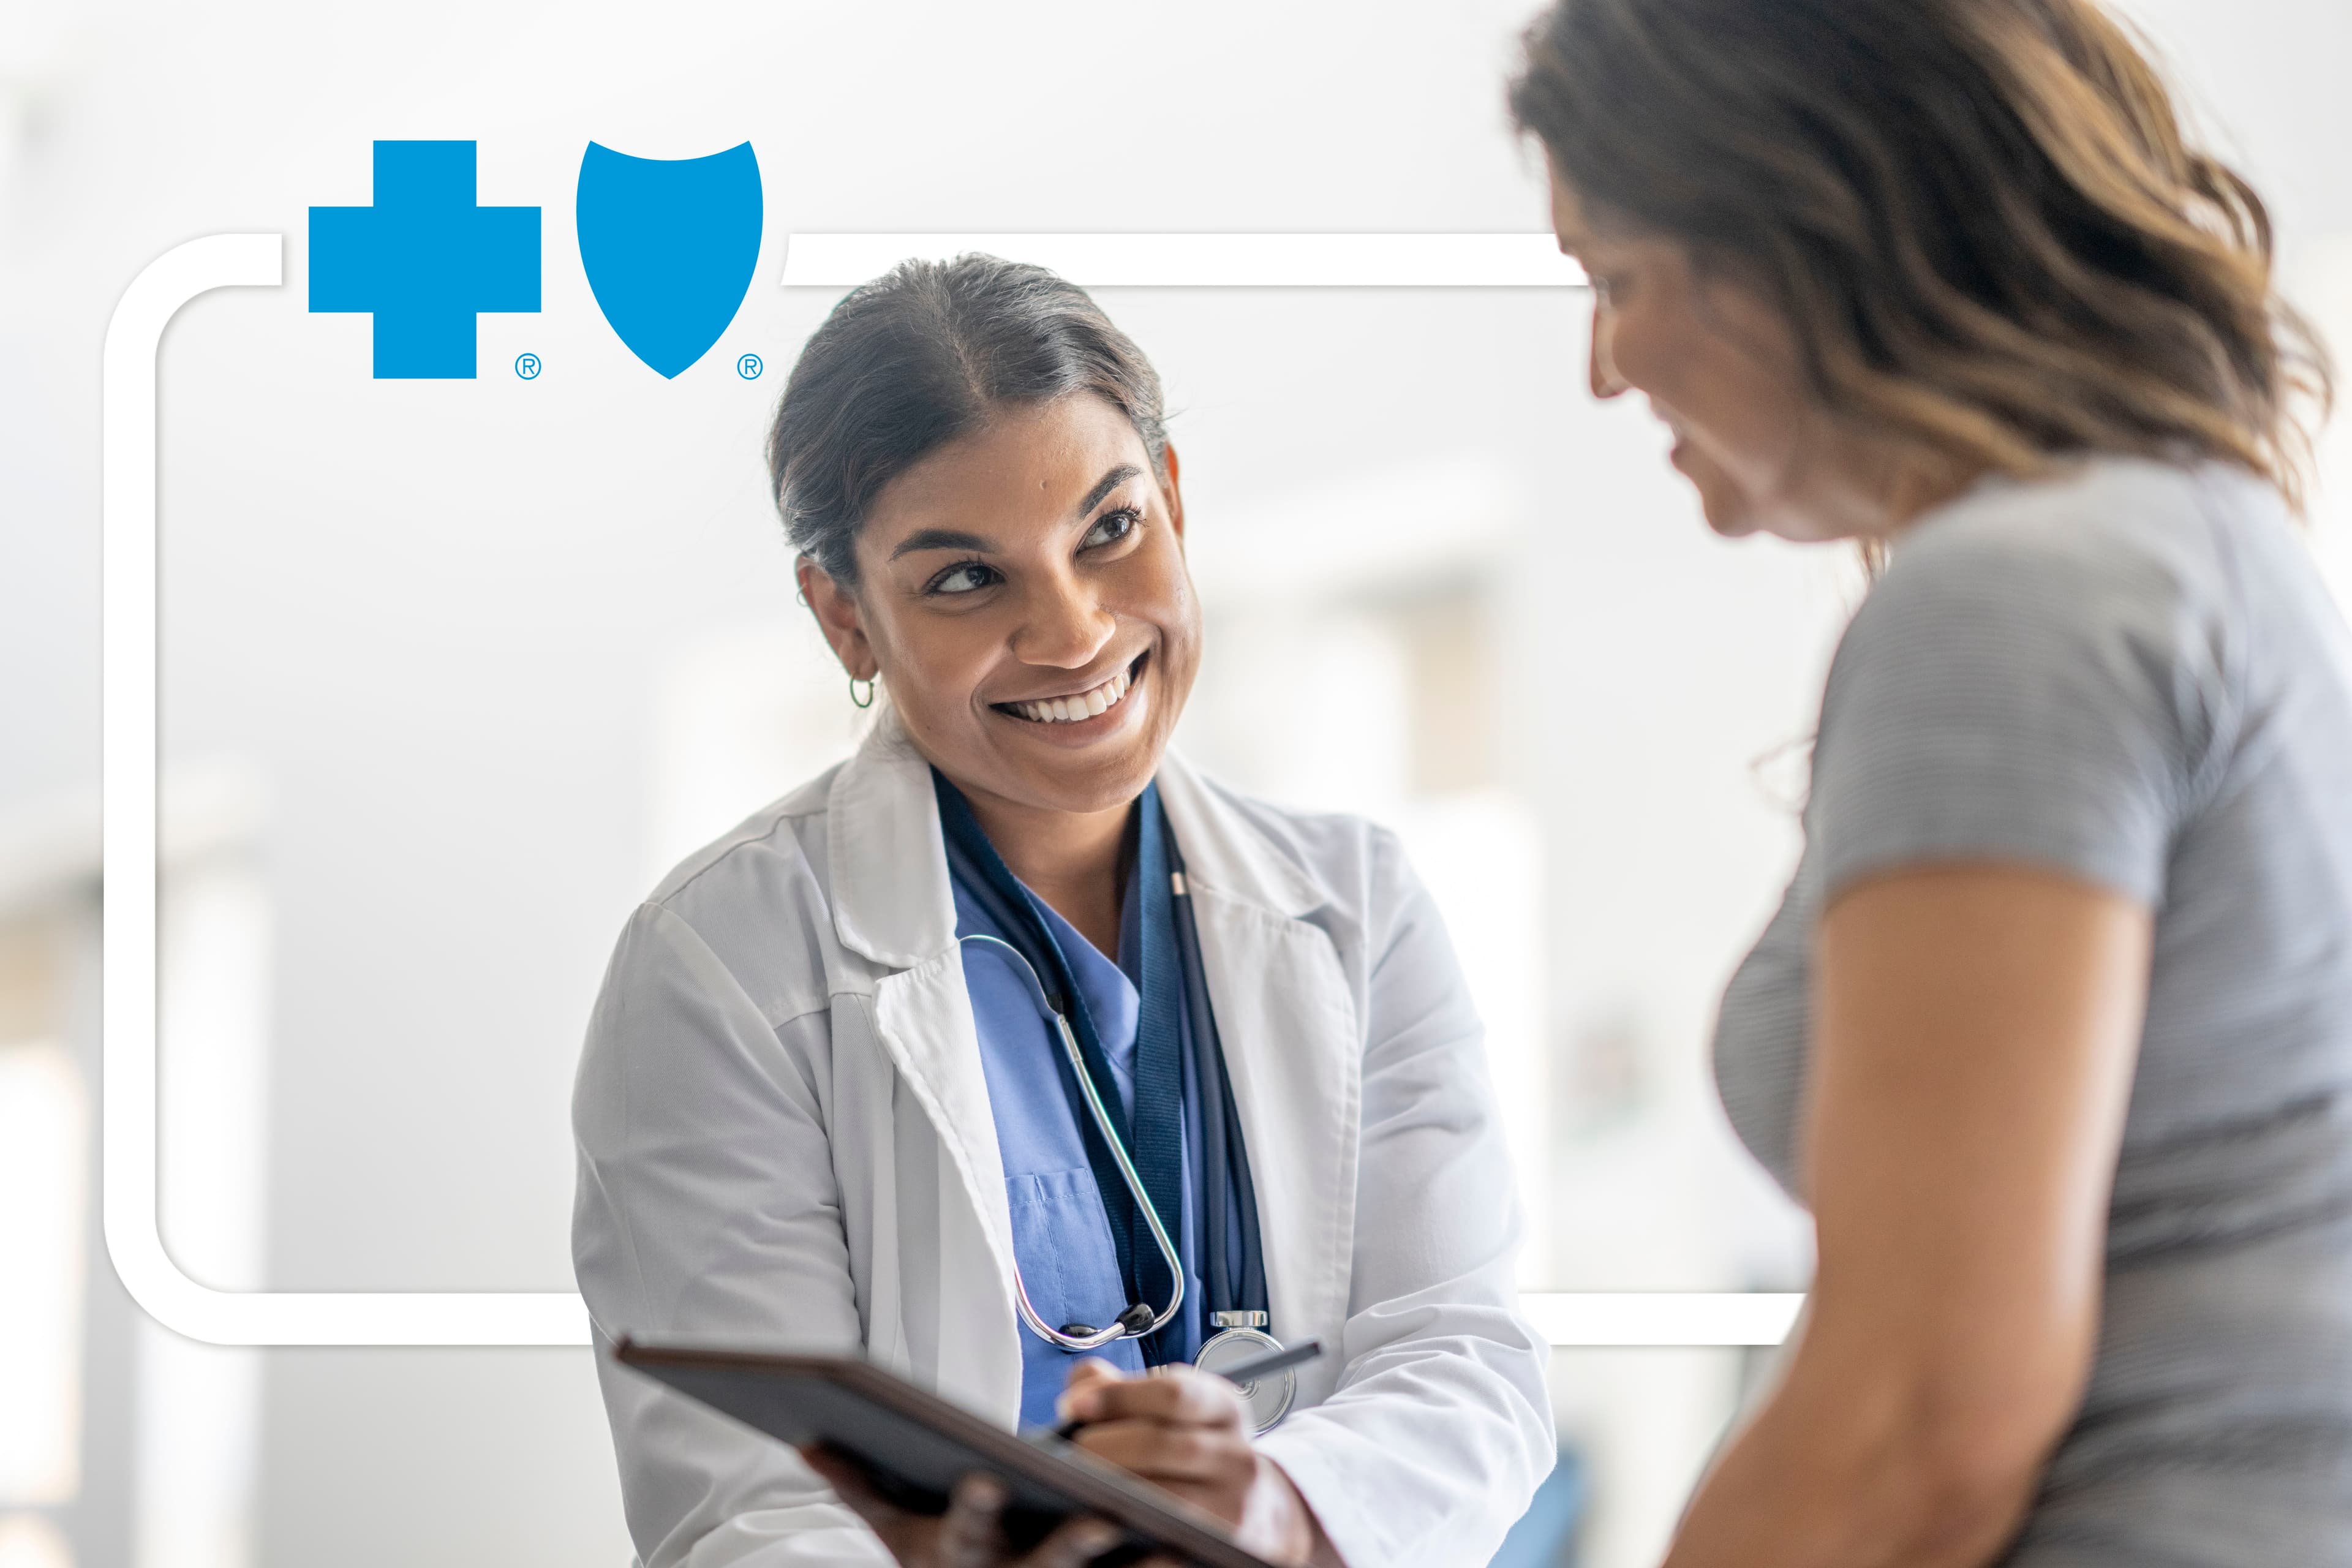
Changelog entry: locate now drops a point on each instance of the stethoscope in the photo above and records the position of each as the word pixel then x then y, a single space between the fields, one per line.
pixel 1138 1320
pixel 1241 1335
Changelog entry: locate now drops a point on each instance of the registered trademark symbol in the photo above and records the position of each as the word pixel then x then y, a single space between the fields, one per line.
pixel 527 366
pixel 748 367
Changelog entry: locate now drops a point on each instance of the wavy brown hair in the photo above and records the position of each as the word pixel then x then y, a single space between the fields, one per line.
pixel 1983 219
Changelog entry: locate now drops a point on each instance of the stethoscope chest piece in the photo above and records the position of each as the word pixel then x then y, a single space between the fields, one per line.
pixel 1241 1336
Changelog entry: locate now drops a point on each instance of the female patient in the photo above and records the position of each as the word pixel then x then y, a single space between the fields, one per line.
pixel 824 1097
pixel 2054 1029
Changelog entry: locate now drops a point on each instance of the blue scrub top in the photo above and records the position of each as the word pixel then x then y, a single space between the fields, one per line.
pixel 1061 1234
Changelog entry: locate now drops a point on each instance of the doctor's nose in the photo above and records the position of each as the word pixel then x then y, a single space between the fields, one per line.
pixel 1065 627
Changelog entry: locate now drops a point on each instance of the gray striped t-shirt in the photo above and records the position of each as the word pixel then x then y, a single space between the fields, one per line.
pixel 2133 674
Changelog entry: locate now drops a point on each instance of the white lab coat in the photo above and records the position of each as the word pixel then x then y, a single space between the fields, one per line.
pixel 784 1133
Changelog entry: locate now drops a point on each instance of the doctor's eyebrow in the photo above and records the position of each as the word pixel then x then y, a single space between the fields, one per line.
pixel 1103 486
pixel 957 539
pixel 943 539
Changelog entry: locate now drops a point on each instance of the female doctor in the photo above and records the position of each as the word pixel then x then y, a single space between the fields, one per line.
pixel 1020 1057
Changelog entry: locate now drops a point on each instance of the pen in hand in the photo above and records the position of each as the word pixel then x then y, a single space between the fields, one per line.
pixel 1242 1373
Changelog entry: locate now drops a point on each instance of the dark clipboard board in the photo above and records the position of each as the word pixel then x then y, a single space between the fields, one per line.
pixel 915 1445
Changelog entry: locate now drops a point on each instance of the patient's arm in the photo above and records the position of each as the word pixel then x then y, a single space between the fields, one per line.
pixel 1977 1029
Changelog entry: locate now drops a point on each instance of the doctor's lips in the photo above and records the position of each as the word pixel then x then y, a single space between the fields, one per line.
pixel 1088 704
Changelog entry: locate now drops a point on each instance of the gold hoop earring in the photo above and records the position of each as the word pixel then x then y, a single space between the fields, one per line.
pixel 867 700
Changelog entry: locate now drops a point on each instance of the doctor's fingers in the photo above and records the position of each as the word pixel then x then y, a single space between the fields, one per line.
pixel 1085 1373
pixel 1173 1456
pixel 1179 1396
pixel 1088 1371
pixel 972 1533
pixel 1074 1545
pixel 907 1536
pixel 968 1534
pixel 847 1481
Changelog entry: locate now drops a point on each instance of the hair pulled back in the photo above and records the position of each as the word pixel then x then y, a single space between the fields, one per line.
pixel 925 354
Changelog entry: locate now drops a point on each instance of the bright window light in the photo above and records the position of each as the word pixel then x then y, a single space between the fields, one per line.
pixel 44 1210
pixel 28 1541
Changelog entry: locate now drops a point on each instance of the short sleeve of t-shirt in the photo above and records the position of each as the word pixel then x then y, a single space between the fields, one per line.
pixel 2038 685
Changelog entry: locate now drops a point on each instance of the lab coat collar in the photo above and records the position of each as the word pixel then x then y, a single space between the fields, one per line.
pixel 886 862
pixel 1224 850
pixel 892 900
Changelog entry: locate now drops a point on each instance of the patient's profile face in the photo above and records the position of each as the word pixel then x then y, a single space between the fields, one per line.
pixel 1025 595
pixel 1720 367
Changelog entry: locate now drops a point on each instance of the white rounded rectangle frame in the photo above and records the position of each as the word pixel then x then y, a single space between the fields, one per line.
pixel 1208 260
pixel 129 774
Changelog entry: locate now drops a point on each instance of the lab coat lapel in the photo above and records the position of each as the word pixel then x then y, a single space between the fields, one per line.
pixel 892 903
pixel 1292 1045
pixel 885 861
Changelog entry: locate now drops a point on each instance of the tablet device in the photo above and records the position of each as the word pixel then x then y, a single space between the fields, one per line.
pixel 916 1446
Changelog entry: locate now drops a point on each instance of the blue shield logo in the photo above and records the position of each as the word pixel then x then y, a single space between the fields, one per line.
pixel 669 245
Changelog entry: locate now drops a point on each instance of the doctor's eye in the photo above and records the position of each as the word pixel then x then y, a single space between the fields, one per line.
pixel 964 578
pixel 1112 527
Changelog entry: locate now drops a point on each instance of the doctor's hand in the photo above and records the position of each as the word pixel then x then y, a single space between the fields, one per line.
pixel 968 1535
pixel 1187 1431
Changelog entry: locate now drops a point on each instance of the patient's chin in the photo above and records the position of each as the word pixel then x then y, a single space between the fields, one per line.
pixel 1724 504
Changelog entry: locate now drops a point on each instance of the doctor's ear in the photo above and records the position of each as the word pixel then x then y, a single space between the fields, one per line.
pixel 836 609
pixel 1168 487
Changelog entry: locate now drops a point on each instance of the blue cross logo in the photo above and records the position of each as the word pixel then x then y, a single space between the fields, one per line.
pixel 423 260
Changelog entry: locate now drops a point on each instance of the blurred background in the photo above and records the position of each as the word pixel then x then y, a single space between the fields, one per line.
pixel 454 671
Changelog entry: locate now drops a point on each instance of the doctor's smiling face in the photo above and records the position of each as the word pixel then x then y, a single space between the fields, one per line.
pixel 1022 593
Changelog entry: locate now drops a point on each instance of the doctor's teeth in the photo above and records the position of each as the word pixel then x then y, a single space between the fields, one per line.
pixel 1069 709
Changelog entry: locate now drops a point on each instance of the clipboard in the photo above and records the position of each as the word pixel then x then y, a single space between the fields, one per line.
pixel 915 1446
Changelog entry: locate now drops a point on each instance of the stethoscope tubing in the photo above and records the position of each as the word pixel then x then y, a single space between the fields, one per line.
pixel 1127 1174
